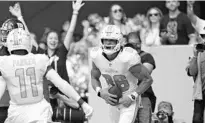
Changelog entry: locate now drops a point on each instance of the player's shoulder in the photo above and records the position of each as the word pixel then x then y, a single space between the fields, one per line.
pixel 94 51
pixel 128 54
pixel 129 50
pixel 4 58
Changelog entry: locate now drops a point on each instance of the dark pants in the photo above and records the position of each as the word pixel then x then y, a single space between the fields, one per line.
pixel 3 113
pixel 198 116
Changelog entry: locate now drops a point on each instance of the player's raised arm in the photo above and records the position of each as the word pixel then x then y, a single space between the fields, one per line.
pixel 68 90
pixel 76 7
pixel 2 86
pixel 141 72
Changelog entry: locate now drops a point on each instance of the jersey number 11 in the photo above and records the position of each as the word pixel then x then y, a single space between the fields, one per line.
pixel 21 73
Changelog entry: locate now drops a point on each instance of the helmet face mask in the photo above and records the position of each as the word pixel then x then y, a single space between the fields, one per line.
pixel 9 25
pixel 111 39
pixel 110 46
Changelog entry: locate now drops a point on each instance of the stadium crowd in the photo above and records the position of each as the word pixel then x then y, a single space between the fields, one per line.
pixel 69 53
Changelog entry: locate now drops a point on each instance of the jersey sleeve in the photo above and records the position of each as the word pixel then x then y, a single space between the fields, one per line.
pixel 94 52
pixel 45 62
pixel 130 56
pixel 2 64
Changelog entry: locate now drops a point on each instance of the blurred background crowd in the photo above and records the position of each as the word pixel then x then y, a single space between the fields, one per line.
pixel 145 17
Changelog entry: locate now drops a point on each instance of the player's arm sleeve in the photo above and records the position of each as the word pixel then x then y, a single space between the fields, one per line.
pixel 95 77
pixel 2 86
pixel 142 74
pixel 62 85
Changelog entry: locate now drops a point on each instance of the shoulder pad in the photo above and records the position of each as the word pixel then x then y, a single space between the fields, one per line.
pixel 3 61
pixel 94 52
pixel 127 54
pixel 129 50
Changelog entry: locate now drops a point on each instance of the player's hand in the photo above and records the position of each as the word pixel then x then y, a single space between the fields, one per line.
pixel 109 98
pixel 125 100
pixel 16 10
pixel 88 110
pixel 77 5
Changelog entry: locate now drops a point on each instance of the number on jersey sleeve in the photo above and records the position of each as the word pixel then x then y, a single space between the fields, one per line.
pixel 120 80
pixel 20 73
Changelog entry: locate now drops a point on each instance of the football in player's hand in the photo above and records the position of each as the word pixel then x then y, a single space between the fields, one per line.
pixel 115 90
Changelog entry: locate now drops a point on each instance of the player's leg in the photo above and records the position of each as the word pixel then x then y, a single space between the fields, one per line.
pixel 114 114
pixel 145 113
pixel 128 115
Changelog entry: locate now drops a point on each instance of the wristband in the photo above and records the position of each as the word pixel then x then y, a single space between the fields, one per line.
pixel 98 91
pixel 75 12
pixel 80 101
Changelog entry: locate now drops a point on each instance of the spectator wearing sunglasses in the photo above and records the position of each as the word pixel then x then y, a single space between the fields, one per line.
pixel 150 35
pixel 176 27
pixel 117 17
pixel 198 23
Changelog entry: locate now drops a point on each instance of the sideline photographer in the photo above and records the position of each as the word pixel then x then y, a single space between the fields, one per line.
pixel 196 69
pixel 165 114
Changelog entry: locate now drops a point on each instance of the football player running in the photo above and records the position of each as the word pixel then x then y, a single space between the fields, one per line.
pixel 119 66
pixel 22 73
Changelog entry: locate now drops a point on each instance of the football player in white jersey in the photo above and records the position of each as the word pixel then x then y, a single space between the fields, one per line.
pixel 119 66
pixel 23 72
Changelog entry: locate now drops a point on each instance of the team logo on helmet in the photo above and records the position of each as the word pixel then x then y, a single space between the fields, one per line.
pixel 18 39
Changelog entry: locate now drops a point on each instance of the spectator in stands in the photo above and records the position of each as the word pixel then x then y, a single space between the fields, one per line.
pixel 176 27
pixel 150 35
pixel 165 114
pixel 198 23
pixel 195 69
pixel 58 54
pixel 117 17
pixel 91 29
pixel 148 97
pixel 136 23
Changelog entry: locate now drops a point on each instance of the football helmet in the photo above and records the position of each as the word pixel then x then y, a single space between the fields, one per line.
pixel 111 33
pixel 9 25
pixel 18 39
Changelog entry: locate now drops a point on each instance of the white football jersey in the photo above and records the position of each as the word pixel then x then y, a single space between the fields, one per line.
pixel 117 70
pixel 24 77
